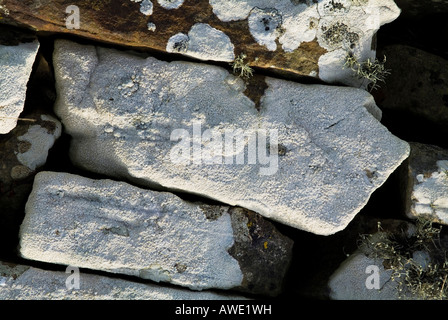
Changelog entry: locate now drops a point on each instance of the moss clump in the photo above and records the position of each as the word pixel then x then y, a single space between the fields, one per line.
pixel 426 280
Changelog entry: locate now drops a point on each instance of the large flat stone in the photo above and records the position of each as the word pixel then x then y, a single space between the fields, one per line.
pixel 20 282
pixel 305 38
pixel 321 150
pixel 115 227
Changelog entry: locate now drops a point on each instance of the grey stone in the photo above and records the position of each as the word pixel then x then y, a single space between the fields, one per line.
pixel 162 125
pixel 349 280
pixel 118 228
pixel 425 182
pixel 39 139
pixel 16 63
pixel 391 264
pixel 20 282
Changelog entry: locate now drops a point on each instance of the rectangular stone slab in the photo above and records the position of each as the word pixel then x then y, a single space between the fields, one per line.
pixel 115 227
pixel 311 158
pixel 293 37
pixel 20 282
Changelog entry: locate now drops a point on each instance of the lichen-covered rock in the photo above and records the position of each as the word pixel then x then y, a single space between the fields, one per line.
pixel 304 38
pixel 16 63
pixel 307 156
pixel 119 228
pixel 425 182
pixel 20 282
pixel 202 42
pixel 36 142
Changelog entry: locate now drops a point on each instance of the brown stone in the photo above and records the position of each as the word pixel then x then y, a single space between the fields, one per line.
pixel 121 23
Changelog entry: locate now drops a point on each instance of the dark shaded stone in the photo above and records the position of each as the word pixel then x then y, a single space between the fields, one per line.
pixel 263 253
pixel 415 94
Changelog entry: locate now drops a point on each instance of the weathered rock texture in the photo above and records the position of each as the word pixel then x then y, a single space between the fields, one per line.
pixel 425 182
pixel 320 155
pixel 349 281
pixel 16 63
pixel 306 38
pixel 19 282
pixel 115 227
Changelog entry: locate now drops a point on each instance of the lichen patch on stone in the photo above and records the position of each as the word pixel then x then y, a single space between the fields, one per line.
pixel 151 26
pixel 146 7
pixel 337 25
pixel 170 4
pixel 203 42
pixel 265 26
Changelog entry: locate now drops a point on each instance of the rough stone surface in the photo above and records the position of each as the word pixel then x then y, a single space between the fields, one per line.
pixel 418 88
pixel 425 182
pixel 16 63
pixel 35 143
pixel 135 118
pixel 202 42
pixel 305 38
pixel 349 281
pixel 115 227
pixel 20 282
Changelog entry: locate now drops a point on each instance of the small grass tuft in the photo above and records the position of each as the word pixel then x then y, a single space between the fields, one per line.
pixel 373 71
pixel 427 281
pixel 241 68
